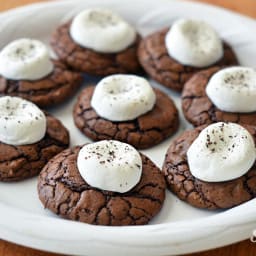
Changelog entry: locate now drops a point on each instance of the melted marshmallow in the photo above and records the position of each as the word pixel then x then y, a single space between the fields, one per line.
pixel 110 165
pixel 25 59
pixel 193 43
pixel 21 121
pixel 221 152
pixel 102 30
pixel 233 89
pixel 123 97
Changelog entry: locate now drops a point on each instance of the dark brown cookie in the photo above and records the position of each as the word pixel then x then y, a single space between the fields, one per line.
pixel 155 59
pixel 91 62
pixel 198 108
pixel 143 132
pixel 62 190
pixel 21 162
pixel 48 91
pixel 210 195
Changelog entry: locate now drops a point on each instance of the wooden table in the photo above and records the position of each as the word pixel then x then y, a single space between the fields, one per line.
pixel 245 248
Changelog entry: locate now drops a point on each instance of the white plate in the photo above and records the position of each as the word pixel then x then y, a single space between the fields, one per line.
pixel 179 228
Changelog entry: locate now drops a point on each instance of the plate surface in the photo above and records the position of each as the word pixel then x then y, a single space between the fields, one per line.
pixel 179 228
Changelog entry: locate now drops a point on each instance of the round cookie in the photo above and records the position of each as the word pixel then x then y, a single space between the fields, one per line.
pixel 209 195
pixel 155 59
pixel 48 91
pixel 142 132
pixel 92 62
pixel 198 108
pixel 62 190
pixel 21 162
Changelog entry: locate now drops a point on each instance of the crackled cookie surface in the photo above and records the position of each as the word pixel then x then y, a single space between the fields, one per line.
pixel 53 89
pixel 199 109
pixel 144 131
pixel 62 190
pixel 202 194
pixel 154 58
pixel 18 162
pixel 93 62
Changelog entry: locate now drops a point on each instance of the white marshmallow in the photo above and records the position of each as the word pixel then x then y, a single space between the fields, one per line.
pixel 193 43
pixel 25 59
pixel 233 89
pixel 123 97
pixel 102 30
pixel 21 121
pixel 110 165
pixel 221 152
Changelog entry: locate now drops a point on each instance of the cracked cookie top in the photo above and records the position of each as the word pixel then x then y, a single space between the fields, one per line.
pixel 24 161
pixel 48 91
pixel 92 62
pixel 156 61
pixel 145 131
pixel 197 107
pixel 62 190
pixel 209 195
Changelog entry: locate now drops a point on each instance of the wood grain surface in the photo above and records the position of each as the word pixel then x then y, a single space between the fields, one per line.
pixel 245 248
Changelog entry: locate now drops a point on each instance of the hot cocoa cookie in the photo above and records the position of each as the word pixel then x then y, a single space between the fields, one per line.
pixel 202 194
pixel 18 162
pixel 51 90
pixel 199 109
pixel 90 61
pixel 154 58
pixel 144 131
pixel 62 190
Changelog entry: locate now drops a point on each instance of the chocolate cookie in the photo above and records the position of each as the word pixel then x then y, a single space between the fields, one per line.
pixel 48 91
pixel 62 190
pixel 143 132
pixel 21 162
pixel 155 59
pixel 198 108
pixel 91 62
pixel 210 195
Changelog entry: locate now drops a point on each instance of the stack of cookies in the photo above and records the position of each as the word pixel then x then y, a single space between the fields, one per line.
pixel 108 181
